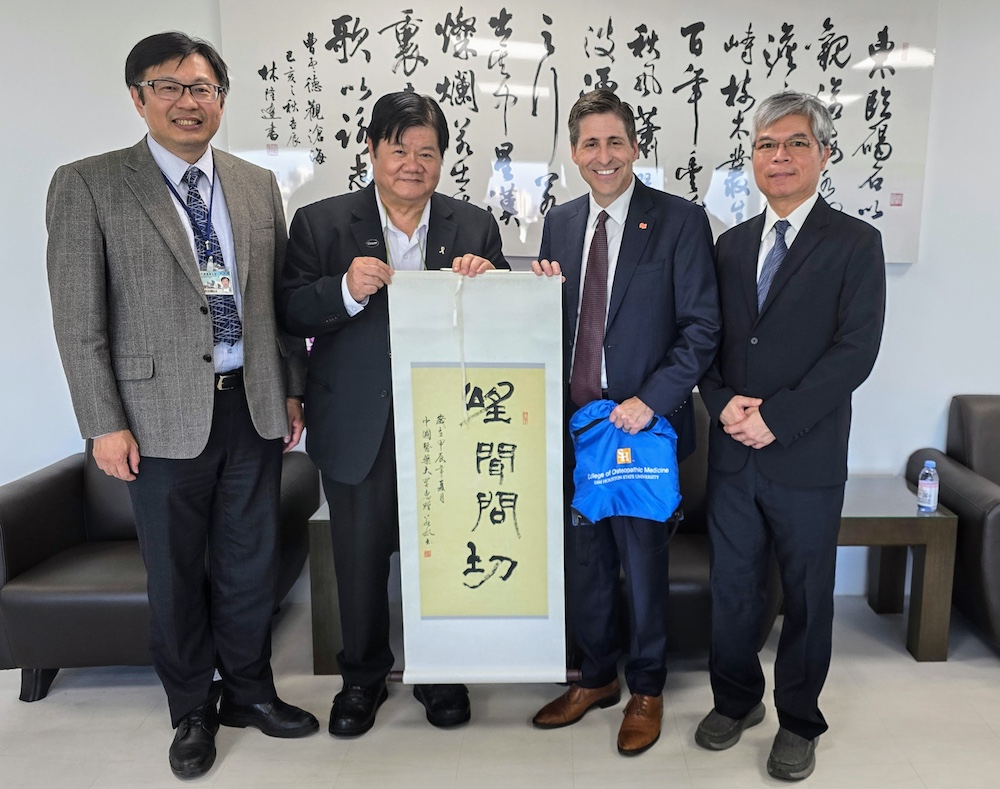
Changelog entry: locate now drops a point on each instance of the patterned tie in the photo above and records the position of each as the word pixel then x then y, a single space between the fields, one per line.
pixel 585 384
pixel 226 325
pixel 772 262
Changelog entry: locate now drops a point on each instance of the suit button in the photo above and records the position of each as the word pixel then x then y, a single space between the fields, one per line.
pixel 385 393
pixel 204 310
pixel 753 340
pixel 207 357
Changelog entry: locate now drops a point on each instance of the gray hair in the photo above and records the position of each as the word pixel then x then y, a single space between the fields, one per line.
pixel 774 108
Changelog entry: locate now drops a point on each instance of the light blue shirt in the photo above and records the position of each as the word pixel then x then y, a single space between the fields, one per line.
pixel 227 357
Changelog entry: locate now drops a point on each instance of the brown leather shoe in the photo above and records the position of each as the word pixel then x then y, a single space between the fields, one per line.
pixel 574 704
pixel 641 727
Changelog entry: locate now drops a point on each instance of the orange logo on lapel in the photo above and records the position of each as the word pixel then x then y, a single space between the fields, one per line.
pixel 642 225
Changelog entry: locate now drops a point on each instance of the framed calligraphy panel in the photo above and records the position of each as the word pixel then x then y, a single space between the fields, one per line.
pixel 305 76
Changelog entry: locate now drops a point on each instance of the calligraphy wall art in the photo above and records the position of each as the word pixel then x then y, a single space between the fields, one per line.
pixel 305 76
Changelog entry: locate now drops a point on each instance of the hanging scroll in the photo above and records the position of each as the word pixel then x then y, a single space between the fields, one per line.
pixel 477 397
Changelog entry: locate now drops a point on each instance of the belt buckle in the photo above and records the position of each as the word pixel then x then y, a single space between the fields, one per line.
pixel 221 380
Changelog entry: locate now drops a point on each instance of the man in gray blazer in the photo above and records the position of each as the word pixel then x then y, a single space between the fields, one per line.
pixel 184 382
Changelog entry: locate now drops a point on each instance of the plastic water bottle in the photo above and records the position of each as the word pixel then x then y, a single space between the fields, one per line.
pixel 927 487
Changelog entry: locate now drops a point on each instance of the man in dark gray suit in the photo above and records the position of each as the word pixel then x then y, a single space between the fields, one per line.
pixel 185 385
pixel 803 298
pixel 341 255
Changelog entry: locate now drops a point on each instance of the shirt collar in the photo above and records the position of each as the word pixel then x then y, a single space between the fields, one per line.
pixel 795 219
pixel 384 220
pixel 618 210
pixel 172 166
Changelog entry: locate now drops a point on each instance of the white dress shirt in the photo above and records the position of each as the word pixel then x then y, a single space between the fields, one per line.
pixel 615 228
pixel 795 220
pixel 405 253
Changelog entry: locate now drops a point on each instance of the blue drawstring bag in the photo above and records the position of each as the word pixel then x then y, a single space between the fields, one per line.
pixel 621 474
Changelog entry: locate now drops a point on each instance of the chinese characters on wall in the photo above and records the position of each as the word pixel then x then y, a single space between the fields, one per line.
pixel 506 75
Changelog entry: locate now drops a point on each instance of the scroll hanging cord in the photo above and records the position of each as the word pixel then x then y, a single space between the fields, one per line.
pixel 458 323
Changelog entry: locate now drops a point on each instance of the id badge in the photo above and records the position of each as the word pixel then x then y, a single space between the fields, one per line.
pixel 217 283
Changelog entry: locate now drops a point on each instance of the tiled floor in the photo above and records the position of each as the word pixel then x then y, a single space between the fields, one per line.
pixel 894 723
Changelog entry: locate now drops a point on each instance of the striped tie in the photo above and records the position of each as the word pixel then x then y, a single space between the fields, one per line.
pixel 585 383
pixel 772 262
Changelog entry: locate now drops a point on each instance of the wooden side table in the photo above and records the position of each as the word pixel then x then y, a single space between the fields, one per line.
pixel 881 512
pixel 323 593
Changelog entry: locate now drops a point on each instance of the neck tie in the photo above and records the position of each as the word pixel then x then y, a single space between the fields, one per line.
pixel 772 262
pixel 585 384
pixel 226 325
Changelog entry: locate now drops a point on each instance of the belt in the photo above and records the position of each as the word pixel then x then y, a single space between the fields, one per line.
pixel 231 380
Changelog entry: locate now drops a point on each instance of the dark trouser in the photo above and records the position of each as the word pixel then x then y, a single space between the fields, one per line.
pixel 207 531
pixel 364 526
pixel 747 512
pixel 600 553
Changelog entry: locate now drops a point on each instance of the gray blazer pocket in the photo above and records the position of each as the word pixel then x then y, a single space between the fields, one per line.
pixel 132 368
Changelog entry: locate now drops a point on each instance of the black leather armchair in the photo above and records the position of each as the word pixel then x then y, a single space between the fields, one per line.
pixel 72 582
pixel 969 471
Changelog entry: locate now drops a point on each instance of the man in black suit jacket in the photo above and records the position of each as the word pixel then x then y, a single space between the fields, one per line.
pixel 654 332
pixel 779 396
pixel 341 255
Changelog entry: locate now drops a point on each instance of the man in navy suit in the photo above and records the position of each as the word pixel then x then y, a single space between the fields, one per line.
pixel 803 297
pixel 641 333
pixel 342 252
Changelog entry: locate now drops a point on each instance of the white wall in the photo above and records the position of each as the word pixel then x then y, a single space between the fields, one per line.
pixel 941 327
pixel 70 101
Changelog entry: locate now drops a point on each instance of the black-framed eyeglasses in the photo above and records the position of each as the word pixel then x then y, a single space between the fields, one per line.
pixel 172 90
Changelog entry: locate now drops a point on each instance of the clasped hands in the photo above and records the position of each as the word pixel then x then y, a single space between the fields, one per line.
pixel 367 275
pixel 741 419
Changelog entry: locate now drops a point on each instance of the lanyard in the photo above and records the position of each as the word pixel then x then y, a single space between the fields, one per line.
pixel 202 230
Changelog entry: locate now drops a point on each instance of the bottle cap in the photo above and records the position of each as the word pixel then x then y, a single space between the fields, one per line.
pixel 930 464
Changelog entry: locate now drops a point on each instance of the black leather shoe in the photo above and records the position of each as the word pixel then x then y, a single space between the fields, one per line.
pixel 446 705
pixel 192 753
pixel 354 709
pixel 274 718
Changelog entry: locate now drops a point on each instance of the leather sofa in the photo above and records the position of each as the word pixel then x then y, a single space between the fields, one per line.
pixel 72 582
pixel 969 471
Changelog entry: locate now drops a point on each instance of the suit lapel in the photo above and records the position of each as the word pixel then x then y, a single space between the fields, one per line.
pixel 576 230
pixel 749 251
pixel 145 181
pixel 812 232
pixel 366 227
pixel 639 226
pixel 239 215
pixel 440 234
